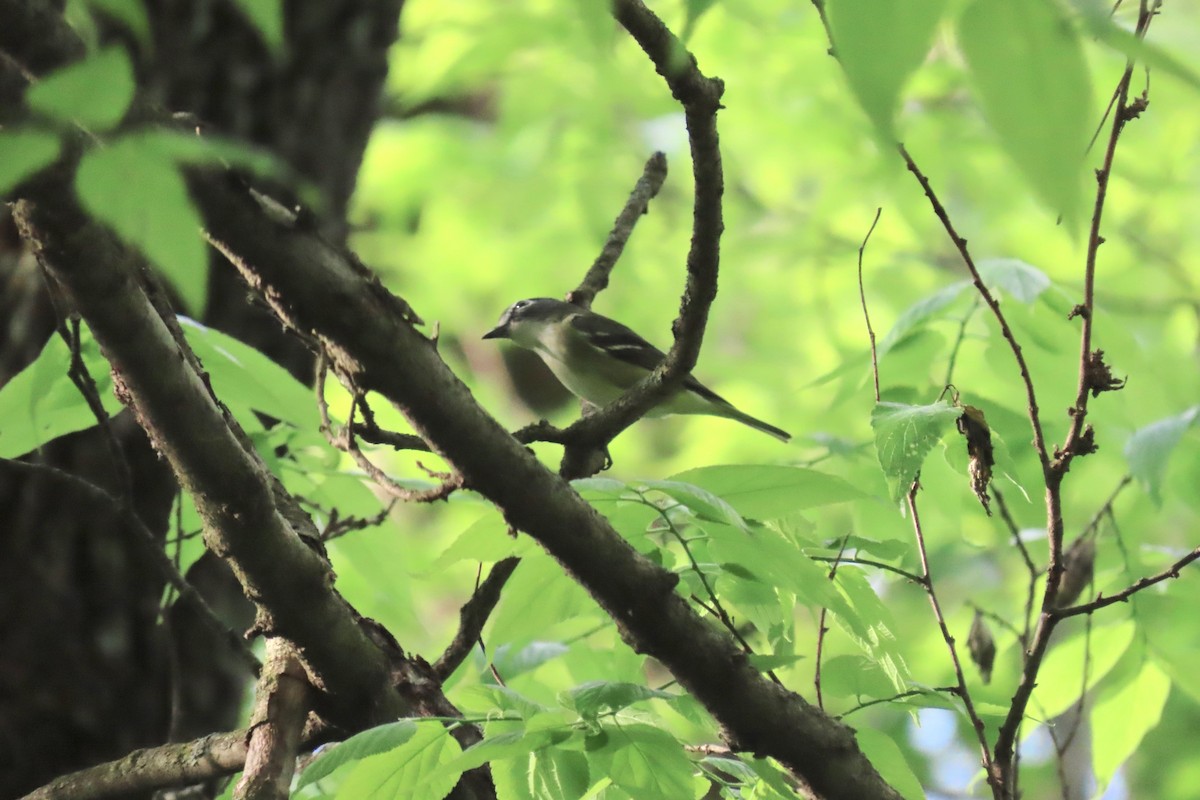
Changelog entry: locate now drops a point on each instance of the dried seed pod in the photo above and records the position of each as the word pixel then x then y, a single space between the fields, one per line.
pixel 1079 564
pixel 973 426
pixel 982 647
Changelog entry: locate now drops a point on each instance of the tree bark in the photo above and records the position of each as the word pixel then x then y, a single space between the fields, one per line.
pixel 87 672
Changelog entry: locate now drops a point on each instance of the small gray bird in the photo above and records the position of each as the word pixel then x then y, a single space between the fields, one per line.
pixel 599 359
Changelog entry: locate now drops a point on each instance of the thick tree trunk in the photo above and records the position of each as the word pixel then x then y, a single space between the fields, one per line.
pixel 87 672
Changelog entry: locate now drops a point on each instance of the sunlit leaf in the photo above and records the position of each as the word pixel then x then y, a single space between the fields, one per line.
pixel 904 435
pixel 770 491
pixel 1086 654
pixel 412 771
pixel 1023 281
pixel 1150 447
pixel 94 93
pixel 41 403
pixel 880 43
pixel 887 758
pixel 23 152
pixel 370 742
pixel 139 192
pixel 1122 715
pixel 267 18
pixel 593 697
pixel 644 761
pixel 1028 67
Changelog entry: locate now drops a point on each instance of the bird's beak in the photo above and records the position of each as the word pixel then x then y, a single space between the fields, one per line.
pixel 498 332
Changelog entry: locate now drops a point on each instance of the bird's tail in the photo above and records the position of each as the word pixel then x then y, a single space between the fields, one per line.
pixel 758 424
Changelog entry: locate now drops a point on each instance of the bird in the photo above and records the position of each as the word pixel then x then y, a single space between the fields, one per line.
pixel 598 359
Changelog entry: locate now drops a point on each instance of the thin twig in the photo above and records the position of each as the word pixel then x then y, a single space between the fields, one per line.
pixel 1031 569
pixel 912 576
pixel 1074 443
pixel 647 187
pixel 343 439
pixel 910 693
pixel 822 629
pixel 958 340
pixel 1039 438
pixel 713 606
pixel 862 296
pixel 1123 596
pixel 962 691
pixel 700 97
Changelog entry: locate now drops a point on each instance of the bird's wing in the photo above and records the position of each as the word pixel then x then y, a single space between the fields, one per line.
pixel 624 344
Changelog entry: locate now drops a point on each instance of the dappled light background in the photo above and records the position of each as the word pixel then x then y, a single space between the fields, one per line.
pixel 515 134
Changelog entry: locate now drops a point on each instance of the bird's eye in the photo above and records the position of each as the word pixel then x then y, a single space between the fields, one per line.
pixel 517 306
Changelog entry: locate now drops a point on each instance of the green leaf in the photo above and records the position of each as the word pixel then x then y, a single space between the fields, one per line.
pixel 546 774
pixel 776 562
pixel 767 661
pixel 856 676
pixel 1019 280
pixel 94 93
pixel 41 403
pixel 137 190
pixel 904 435
pixel 594 697
pixel 510 663
pixel 644 761
pixel 870 624
pixel 1104 28
pixel 1028 68
pixel 1060 679
pixel 370 742
pixel 412 771
pixel 702 503
pixel 916 315
pixel 486 539
pixel 765 491
pixel 267 18
pixel 132 13
pixel 887 758
pixel 23 152
pixel 880 43
pixel 245 377
pixel 1150 447
pixel 1123 715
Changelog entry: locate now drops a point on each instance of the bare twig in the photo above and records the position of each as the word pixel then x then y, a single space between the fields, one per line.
pixel 474 615
pixel 912 576
pixel 862 296
pixel 958 340
pixel 961 690
pixel 1039 438
pixel 910 693
pixel 822 629
pixel 1124 595
pixel 343 439
pixel 1078 436
pixel 1031 569
pixel 647 187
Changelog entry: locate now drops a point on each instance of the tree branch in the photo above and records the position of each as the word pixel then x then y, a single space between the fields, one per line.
pixel 152 768
pixel 645 190
pixel 474 615
pixel 276 725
